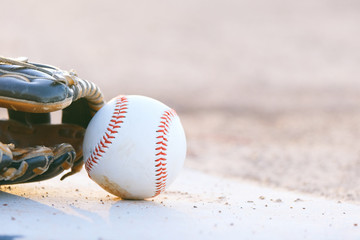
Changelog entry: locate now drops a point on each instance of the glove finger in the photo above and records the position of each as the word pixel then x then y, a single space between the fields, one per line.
pixel 26 164
pixel 64 156
pixel 78 164
pixel 5 156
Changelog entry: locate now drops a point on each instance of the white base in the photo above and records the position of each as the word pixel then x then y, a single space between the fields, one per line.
pixel 196 206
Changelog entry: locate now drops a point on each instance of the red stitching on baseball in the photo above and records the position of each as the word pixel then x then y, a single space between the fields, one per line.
pixel 160 148
pixel 162 143
pixel 161 151
pixel 111 131
pixel 121 106
pixel 165 139
pixel 106 140
pixel 108 136
pixel 160 164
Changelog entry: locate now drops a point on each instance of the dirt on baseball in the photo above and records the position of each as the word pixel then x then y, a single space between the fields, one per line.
pixel 268 91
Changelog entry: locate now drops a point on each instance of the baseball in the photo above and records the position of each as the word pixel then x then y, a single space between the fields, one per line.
pixel 134 147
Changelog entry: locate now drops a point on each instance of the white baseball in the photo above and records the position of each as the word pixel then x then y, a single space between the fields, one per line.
pixel 134 147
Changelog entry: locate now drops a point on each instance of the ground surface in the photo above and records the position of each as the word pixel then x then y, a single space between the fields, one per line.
pixel 268 91
pixel 316 154
pixel 197 206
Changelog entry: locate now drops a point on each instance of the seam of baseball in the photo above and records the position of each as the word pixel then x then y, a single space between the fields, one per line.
pixel 161 151
pixel 120 109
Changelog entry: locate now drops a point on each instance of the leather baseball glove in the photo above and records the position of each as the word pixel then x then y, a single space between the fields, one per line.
pixel 31 147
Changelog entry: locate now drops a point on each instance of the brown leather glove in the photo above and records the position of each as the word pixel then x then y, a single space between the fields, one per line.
pixel 31 148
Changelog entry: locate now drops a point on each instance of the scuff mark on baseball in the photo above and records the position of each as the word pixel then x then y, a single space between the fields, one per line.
pixel 134 147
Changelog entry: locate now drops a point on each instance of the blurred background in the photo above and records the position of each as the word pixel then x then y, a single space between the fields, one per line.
pixel 268 91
